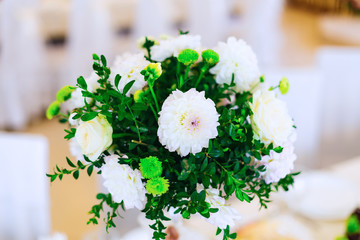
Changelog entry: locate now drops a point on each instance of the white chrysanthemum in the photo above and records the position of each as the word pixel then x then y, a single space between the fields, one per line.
pixel 94 136
pixel 74 122
pixel 226 214
pixel 187 121
pixel 75 149
pixel 77 100
pixel 236 57
pixel 278 165
pixel 173 46
pixel 270 120
pixel 129 66
pixel 123 183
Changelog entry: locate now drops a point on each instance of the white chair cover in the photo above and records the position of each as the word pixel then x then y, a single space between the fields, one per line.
pixel 340 67
pixel 89 32
pixel 23 83
pixel 208 18
pixel 152 18
pixel 304 105
pixel 24 187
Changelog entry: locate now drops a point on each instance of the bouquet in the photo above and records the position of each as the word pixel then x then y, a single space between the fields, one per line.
pixel 178 128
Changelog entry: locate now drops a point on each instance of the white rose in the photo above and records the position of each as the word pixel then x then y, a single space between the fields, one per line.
pixel 94 136
pixel 270 120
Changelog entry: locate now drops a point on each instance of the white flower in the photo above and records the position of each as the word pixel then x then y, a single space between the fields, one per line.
pixel 129 66
pixel 94 136
pixel 270 120
pixel 77 100
pixel 74 122
pixel 75 149
pixel 226 214
pixel 278 165
pixel 187 121
pixel 173 46
pixel 236 57
pixel 123 183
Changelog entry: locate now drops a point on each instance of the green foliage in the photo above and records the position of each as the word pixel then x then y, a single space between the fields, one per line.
pixel 226 164
pixel 109 216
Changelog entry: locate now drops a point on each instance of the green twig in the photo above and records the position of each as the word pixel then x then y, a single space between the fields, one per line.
pixel 202 72
pixel 133 117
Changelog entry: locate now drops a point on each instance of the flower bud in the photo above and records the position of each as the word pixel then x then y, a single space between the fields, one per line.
pixel 188 56
pixel 53 110
pixel 284 85
pixel 210 56
pixel 138 95
pixel 64 93
pixel 152 71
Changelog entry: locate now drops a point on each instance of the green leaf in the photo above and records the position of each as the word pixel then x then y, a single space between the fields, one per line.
pixel 103 60
pixel 218 231
pixel 278 149
pixel 89 116
pixel 95 57
pixel 76 174
pixel 239 194
pixel 90 170
pixel 70 163
pixel 204 164
pixel 128 86
pixel 139 107
pixel 117 80
pixel 100 196
pixel 233 235
pixel 82 83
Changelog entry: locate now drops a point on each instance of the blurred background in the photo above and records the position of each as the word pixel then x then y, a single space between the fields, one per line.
pixel 45 44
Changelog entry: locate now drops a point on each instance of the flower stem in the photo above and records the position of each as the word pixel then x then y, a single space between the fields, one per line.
pixel 202 72
pixel 178 73
pixel 137 126
pixel 154 97
pixel 120 135
pixel 153 110
pixel 185 76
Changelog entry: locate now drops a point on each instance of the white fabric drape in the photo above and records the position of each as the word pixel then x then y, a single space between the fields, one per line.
pixel 23 83
pixel 90 32
pixel 152 18
pixel 24 187
pixel 304 102
pixel 208 18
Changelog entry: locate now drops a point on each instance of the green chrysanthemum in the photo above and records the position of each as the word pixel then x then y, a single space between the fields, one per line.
pixel 150 167
pixel 210 56
pixel 64 93
pixel 284 86
pixel 53 110
pixel 157 186
pixel 188 56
